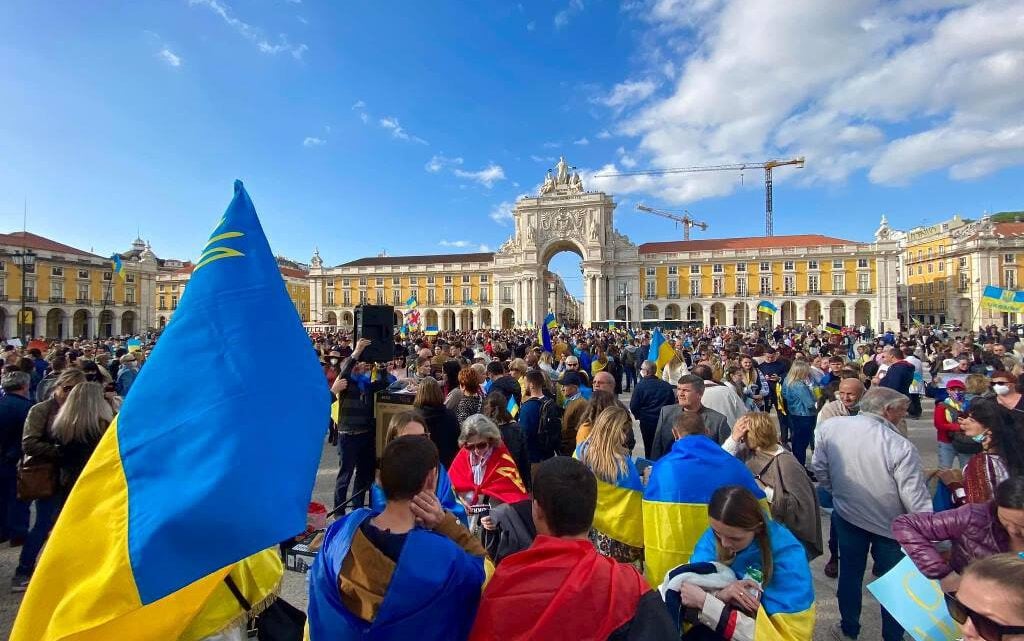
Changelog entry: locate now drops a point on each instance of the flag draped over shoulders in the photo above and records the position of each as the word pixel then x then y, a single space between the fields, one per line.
pixel 444 491
pixel 787 603
pixel 661 351
pixel 189 480
pixel 432 593
pixel 501 478
pixel 619 512
pixel 675 501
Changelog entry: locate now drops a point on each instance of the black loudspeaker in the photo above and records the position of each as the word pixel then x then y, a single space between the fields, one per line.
pixel 376 322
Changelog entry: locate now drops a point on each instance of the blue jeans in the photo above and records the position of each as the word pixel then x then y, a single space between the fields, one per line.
pixel 854 544
pixel 14 514
pixel 46 511
pixel 801 431
pixel 947 454
pixel 355 452
pixel 630 371
pixel 825 501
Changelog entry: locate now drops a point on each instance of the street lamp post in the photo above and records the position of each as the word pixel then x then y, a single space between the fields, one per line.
pixel 25 260
pixel 625 295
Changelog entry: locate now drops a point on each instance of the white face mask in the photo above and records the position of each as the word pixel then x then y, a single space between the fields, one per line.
pixel 1000 389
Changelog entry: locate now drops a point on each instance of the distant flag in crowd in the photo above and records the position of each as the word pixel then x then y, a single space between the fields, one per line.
pixel 411 302
pixel 512 406
pixel 661 350
pixel 133 344
pixel 611 324
pixel 833 328
pixel 141 545
pixel 118 266
pixel 1002 300
pixel 431 330
pixel 767 307
pixel 404 331
pixel 544 333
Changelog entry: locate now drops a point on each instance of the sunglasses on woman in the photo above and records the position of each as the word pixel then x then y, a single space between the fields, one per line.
pixel 479 447
pixel 986 627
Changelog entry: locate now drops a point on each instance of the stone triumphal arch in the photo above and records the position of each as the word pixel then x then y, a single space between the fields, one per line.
pixel 564 216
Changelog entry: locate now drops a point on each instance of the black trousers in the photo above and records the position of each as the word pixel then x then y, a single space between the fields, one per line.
pixel 356 455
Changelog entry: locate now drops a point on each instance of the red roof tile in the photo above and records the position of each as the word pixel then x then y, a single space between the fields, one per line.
pixel 293 273
pixel 751 242
pixel 483 257
pixel 1010 229
pixel 33 241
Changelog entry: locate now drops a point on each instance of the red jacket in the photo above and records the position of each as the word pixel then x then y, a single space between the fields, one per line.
pixel 945 423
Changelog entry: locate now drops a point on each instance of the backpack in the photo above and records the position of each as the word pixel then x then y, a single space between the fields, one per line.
pixel 549 430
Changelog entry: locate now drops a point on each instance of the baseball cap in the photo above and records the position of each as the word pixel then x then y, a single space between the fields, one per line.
pixel 570 378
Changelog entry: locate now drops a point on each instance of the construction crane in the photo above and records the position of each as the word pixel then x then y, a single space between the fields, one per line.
pixel 683 220
pixel 768 166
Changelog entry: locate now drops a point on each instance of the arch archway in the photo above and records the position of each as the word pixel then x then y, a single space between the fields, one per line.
pixel 80 323
pixel 106 328
pixel 862 313
pixel 717 314
pixel 694 312
pixel 128 323
pixel 788 313
pixel 559 278
pixel 27 320
pixel 508 318
pixel 466 319
pixel 650 312
pixel 740 317
pixel 837 312
pixel 485 318
pixel 447 320
pixel 161 322
pixel 672 312
pixel 812 312
pixel 430 319
pixel 332 318
pixel 55 323
pixel 399 318
pixel 620 313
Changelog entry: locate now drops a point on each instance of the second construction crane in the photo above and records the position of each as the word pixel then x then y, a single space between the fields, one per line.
pixel 683 220
pixel 768 166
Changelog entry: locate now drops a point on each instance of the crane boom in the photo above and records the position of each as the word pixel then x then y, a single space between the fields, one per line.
pixel 684 220
pixel 767 166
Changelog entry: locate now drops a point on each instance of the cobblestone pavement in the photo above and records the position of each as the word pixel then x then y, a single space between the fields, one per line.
pixel 294 586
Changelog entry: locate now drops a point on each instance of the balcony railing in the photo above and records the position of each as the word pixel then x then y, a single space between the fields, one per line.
pixel 30 299
pixel 131 304
pixel 673 295
pixel 865 290
pixel 57 299
pixel 83 301
pixel 506 301
pixel 163 308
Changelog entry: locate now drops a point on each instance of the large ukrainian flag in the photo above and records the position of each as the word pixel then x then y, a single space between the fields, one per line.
pixel 661 351
pixel 675 502
pixel 212 458
pixel 619 512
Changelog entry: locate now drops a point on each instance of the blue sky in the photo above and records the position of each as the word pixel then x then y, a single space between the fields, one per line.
pixel 411 127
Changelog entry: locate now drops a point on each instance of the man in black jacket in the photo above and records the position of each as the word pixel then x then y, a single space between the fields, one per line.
pixel 14 407
pixel 899 374
pixel 650 395
pixel 355 387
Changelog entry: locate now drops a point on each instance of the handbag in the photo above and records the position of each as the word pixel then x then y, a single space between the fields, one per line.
pixel 37 479
pixel 280 621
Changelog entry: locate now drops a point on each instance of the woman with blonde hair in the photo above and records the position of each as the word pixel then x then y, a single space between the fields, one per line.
pixel 792 498
pixel 801 408
pixel 78 427
pixel 599 401
pixel 617 531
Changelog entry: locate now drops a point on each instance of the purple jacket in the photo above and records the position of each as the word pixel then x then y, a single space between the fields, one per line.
pixel 973 529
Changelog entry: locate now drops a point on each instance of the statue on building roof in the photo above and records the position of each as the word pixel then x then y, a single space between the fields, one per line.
pixel 562 171
pixel 549 184
pixel 316 261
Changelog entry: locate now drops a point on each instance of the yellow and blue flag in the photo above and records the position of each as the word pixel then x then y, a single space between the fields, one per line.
pixel 767 307
pixel 512 406
pixel 676 500
pixel 619 512
pixel 411 302
pixel 115 262
pixel 661 351
pixel 786 611
pixel 833 328
pixel 544 332
pixel 1002 300
pixel 185 482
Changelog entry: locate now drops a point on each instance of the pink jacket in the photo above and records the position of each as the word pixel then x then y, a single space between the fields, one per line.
pixel 973 529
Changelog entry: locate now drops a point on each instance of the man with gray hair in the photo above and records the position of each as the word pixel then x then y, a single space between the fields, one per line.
pixel 649 396
pixel 874 475
pixel 14 407
pixel 689 392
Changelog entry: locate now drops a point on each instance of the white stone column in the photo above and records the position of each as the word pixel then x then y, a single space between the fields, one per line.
pixel 706 314
pixel 531 286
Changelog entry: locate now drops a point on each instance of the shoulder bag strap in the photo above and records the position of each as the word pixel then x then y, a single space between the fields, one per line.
pixel 242 601
pixel 766 466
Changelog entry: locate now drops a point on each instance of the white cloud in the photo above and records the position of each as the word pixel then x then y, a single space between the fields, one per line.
pixel 604 134
pixel 484 248
pixel 438 162
pixel 464 244
pixel 891 88
pixel 391 124
pixel 552 144
pixel 562 17
pixel 627 161
pixel 502 213
pixel 487 176
pixel 365 118
pixel 582 141
pixel 312 141
pixel 536 158
pixel 251 33
pixel 169 57
pixel 358 104
pixel 628 93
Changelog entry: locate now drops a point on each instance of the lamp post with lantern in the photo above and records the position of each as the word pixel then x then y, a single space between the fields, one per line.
pixel 26 261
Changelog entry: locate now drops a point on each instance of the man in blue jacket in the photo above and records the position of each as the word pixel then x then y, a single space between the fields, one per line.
pixel 651 394
pixel 900 373
pixel 14 407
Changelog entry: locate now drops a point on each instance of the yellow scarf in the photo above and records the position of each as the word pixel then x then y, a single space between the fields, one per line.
pixel 258 577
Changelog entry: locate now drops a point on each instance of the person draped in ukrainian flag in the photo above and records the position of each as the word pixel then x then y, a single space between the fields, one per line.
pixel 484 471
pixel 409 571
pixel 677 494
pixel 618 521
pixel 412 423
pixel 748 578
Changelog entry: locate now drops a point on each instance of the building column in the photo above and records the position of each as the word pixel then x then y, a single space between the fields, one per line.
pixel 851 312
pixel 531 286
pixel 116 324
pixel 706 314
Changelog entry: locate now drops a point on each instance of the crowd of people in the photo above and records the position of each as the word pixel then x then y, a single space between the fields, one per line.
pixel 513 499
